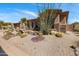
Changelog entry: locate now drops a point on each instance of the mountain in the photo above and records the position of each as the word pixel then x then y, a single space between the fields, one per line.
pixel 76 26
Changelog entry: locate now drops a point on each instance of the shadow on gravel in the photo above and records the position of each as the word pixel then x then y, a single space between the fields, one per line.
pixel 75 48
pixel 2 52
pixel 37 39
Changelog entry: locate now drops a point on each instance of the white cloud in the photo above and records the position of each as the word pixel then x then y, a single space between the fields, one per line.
pixel 31 13
pixel 16 15
pixel 28 12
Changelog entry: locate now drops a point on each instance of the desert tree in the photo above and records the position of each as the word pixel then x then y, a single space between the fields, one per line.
pixel 23 23
pixel 1 24
pixel 47 14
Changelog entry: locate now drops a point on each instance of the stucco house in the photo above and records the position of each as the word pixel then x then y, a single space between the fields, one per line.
pixel 59 22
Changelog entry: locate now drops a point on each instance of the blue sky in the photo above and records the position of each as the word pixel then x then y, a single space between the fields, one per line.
pixel 11 12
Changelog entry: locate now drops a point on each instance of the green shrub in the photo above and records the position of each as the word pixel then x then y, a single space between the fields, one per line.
pixel 77 30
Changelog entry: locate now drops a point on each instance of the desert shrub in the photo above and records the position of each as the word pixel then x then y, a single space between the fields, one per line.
pixel 8 35
pixel 29 31
pixel 77 30
pixel 35 33
pixel 21 34
pixel 59 34
pixel 40 34
pixel 53 32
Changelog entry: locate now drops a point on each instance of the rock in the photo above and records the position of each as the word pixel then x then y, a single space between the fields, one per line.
pixel 77 51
